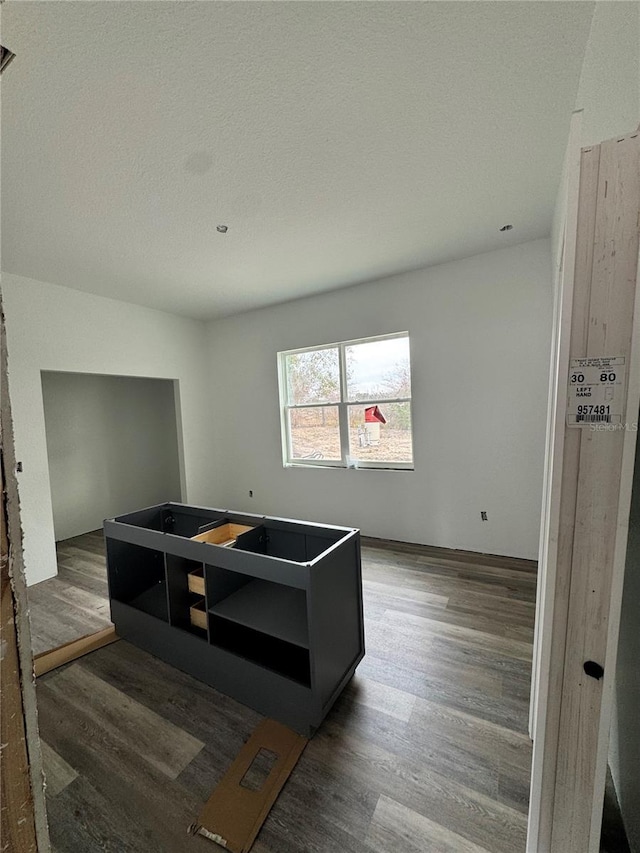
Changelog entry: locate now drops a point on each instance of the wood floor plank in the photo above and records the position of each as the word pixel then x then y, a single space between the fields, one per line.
pixel 81 572
pixel 475 700
pixel 62 612
pixel 497 624
pixel 191 705
pixel 322 808
pixel 86 818
pixel 382 698
pixel 437 553
pixel 396 749
pixel 487 603
pixel 406 774
pixel 82 545
pixel 395 826
pixel 74 598
pixel 408 597
pixel 164 746
pixel 453 568
pixel 498 744
pixel 412 625
pixel 133 803
pixel 58 774
pixel 424 668
pixel 513 787
pixel 413 577
pixel 81 819
pixel 459 653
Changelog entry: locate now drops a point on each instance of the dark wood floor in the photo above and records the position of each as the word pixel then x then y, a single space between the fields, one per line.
pixel 75 602
pixel 426 750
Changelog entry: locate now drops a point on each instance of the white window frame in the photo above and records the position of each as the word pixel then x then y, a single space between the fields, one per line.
pixel 343 410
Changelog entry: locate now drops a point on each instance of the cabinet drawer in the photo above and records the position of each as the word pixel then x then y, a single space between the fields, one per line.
pixel 198 614
pixel 196 581
pixel 225 534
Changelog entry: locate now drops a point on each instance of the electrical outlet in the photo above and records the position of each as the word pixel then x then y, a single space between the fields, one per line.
pixel 483 515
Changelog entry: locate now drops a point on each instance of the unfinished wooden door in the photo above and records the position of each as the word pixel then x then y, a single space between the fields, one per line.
pixel 588 502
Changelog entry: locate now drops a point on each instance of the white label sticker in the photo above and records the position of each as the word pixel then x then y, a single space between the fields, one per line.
pixel 596 391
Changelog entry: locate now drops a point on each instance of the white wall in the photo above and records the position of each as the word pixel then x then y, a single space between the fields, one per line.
pixel 112 444
pixel 480 336
pixel 609 91
pixel 624 751
pixel 480 333
pixel 55 328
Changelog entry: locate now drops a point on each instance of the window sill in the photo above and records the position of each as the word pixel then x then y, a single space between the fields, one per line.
pixel 309 466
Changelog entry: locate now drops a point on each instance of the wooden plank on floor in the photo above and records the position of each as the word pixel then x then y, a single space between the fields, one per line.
pixel 46 661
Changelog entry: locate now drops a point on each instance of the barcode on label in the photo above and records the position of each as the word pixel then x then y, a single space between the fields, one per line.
pixel 593 419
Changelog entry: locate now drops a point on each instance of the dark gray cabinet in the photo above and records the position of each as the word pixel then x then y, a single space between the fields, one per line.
pixel 267 610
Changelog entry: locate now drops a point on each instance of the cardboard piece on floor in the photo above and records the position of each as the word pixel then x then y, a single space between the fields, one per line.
pixel 234 813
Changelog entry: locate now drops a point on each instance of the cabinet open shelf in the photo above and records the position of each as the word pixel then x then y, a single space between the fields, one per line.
pixel 267 610
pixel 284 658
pixel 270 608
pixel 153 601
pixel 139 579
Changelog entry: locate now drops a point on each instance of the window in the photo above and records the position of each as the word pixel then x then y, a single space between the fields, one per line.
pixel 348 404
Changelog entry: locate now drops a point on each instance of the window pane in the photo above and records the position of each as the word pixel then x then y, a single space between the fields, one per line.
pixel 378 369
pixel 377 442
pixel 315 433
pixel 313 377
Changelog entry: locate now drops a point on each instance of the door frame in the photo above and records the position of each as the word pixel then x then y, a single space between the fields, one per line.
pixel 586 501
pixel 563 278
pixel 23 813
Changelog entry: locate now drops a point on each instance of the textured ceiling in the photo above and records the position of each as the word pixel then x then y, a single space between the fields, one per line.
pixel 339 142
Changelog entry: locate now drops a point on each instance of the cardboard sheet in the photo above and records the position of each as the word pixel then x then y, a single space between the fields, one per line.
pixel 234 813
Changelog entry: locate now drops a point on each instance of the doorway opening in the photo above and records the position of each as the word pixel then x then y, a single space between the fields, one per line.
pixel 113 445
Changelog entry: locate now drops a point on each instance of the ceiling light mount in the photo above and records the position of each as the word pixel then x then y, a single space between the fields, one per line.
pixel 222 228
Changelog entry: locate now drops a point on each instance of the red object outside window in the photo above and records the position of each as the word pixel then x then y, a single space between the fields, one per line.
pixel 373 415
